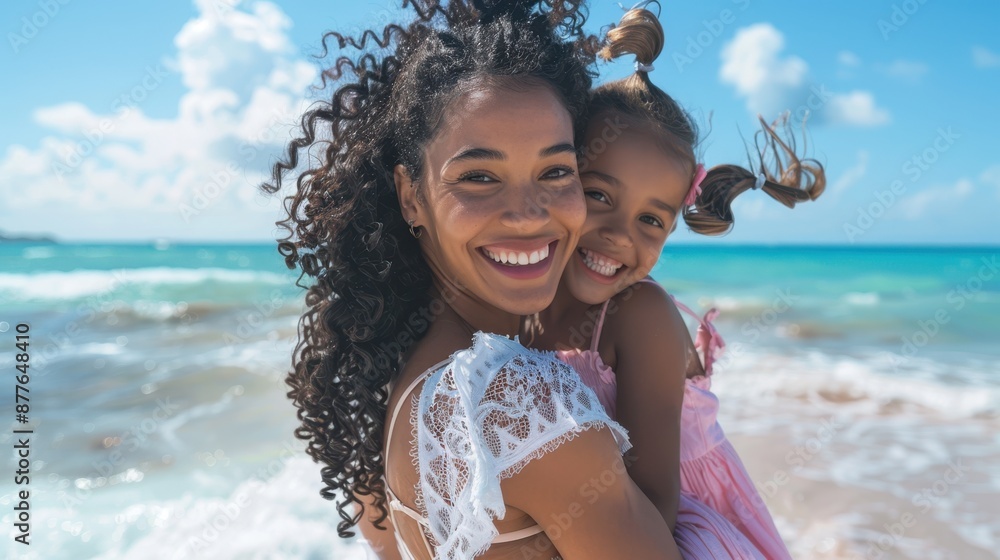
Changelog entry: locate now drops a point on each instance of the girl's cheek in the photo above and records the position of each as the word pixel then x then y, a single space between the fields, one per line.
pixel 648 261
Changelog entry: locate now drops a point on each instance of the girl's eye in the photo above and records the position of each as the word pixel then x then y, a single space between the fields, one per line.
pixel 597 195
pixel 651 220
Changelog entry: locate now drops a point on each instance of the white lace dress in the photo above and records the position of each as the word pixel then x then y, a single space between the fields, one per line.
pixel 481 416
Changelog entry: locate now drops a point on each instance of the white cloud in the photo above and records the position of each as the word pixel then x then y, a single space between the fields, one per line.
pixel 851 175
pixel 753 64
pixel 773 82
pixel 245 89
pixel 907 70
pixel 847 58
pixel 915 206
pixel 985 58
pixel 856 108
pixel 992 177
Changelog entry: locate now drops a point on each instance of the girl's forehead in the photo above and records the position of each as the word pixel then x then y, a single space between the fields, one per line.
pixel 634 150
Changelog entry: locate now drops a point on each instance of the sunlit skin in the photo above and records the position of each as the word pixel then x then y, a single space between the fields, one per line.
pixel 500 177
pixel 635 189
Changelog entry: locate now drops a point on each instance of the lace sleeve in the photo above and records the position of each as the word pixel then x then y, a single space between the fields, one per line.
pixel 483 418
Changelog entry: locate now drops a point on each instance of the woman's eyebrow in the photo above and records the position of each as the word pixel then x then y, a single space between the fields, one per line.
pixel 564 148
pixel 496 155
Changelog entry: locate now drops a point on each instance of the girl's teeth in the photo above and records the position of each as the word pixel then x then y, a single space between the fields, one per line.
pixel 600 264
pixel 533 257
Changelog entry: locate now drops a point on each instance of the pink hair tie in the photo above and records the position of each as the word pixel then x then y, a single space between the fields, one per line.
pixel 695 190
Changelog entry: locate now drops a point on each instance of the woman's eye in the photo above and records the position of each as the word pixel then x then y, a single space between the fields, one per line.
pixel 476 177
pixel 558 173
pixel 651 220
pixel 596 195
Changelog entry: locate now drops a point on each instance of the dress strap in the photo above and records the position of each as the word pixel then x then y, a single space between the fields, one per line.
pixel 519 534
pixel 708 339
pixel 598 327
pixel 396 505
pixel 402 399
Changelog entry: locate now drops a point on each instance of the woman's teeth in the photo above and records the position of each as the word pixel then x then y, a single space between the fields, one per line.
pixel 605 266
pixel 515 258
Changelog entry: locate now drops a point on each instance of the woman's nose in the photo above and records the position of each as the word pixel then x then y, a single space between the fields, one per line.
pixel 526 209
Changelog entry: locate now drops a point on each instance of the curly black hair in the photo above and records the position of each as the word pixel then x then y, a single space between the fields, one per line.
pixel 345 228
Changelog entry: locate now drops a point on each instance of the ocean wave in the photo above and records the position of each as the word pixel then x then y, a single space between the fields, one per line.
pixel 861 298
pixel 870 382
pixel 110 284
pixel 277 512
pixel 280 516
pixel 31 253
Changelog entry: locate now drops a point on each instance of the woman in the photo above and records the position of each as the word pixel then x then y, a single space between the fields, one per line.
pixel 446 206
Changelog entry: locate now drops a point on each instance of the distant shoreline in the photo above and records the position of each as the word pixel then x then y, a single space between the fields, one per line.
pixel 4 238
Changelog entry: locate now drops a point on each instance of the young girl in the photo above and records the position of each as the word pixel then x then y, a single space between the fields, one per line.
pixel 639 173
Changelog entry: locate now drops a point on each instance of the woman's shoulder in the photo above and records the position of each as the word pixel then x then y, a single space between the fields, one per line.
pixel 497 384
pixel 436 348
pixel 488 361
pixel 495 407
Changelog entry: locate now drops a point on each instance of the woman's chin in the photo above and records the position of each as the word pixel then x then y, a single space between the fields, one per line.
pixel 526 302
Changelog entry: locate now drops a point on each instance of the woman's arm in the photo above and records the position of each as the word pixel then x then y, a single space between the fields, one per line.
pixel 581 495
pixel 382 543
pixel 651 345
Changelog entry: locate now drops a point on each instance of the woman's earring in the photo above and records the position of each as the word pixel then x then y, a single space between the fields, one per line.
pixel 413 232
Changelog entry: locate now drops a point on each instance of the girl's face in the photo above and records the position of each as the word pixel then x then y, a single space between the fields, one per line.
pixel 634 190
pixel 501 203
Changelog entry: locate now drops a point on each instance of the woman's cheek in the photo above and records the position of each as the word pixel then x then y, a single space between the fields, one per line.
pixel 570 203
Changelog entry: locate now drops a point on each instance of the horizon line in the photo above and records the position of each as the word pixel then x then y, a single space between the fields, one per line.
pixel 700 244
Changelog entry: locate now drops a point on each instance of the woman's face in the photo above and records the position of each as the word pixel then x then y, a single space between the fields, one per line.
pixel 634 190
pixel 500 203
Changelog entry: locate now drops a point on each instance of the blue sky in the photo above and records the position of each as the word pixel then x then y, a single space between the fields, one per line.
pixel 133 121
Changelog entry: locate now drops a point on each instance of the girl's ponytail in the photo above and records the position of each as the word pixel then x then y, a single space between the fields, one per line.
pixel 789 180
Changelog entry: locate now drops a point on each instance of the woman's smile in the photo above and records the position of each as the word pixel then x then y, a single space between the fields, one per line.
pixel 521 260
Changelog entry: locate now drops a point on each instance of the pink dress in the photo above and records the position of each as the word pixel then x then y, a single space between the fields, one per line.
pixel 720 514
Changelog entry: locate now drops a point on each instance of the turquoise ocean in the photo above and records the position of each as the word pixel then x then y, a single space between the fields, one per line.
pixel 861 386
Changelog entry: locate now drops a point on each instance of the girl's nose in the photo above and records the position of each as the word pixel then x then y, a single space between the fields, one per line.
pixel 616 236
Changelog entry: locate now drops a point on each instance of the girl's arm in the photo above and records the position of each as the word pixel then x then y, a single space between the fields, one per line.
pixel 382 543
pixel 651 345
